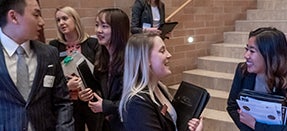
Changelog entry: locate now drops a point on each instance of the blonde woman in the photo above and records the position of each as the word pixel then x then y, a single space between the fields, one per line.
pixel 145 103
pixel 72 37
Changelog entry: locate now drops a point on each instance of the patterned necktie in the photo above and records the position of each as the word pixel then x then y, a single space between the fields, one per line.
pixel 22 74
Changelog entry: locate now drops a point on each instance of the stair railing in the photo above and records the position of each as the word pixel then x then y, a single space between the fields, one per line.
pixel 177 10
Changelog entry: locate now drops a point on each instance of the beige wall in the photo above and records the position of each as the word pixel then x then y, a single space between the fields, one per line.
pixel 205 20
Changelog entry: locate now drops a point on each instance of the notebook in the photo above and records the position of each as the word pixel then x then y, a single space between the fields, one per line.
pixel 189 102
pixel 166 28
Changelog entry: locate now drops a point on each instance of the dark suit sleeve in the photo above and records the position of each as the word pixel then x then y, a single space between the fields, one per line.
pixel 62 104
pixel 137 10
pixel 110 107
pixel 141 115
pixel 232 106
pixel 162 15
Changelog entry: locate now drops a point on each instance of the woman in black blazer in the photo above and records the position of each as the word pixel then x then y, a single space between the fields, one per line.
pixel 112 31
pixel 146 103
pixel 264 71
pixel 72 38
pixel 147 16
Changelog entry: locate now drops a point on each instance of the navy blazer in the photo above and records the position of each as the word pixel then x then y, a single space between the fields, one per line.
pixel 47 108
pixel 240 82
pixel 141 13
pixel 245 81
pixel 142 114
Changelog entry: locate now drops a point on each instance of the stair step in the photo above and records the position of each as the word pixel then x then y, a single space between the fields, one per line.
pixel 220 64
pixel 248 25
pixel 260 14
pixel 272 4
pixel 215 120
pixel 209 79
pixel 227 50
pixel 236 37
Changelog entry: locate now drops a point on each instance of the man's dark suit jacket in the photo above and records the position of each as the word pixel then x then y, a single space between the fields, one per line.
pixel 141 13
pixel 47 108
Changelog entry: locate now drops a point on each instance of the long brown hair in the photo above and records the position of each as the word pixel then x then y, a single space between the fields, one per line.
pixel 120 28
pixel 272 45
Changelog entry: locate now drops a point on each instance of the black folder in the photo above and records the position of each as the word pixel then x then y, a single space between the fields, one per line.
pixel 263 96
pixel 88 78
pixel 189 102
pixel 166 28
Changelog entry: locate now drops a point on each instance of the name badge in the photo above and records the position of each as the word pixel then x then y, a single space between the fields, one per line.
pixel 48 81
pixel 63 53
pixel 146 25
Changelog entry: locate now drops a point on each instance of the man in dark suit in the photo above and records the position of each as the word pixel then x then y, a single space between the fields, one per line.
pixel 42 105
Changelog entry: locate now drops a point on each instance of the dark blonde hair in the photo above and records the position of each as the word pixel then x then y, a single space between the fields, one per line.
pixel 137 69
pixel 82 36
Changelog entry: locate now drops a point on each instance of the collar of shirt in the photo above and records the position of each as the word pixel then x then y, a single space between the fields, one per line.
pixel 11 46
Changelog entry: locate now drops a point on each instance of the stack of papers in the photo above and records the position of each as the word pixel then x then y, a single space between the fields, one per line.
pixel 262 108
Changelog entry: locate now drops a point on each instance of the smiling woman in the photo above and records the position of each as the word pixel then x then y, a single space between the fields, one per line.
pixel 264 71
pixel 112 30
pixel 146 63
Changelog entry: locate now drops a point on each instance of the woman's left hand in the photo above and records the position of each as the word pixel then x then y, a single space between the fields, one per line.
pixel 96 106
pixel 195 124
pixel 246 119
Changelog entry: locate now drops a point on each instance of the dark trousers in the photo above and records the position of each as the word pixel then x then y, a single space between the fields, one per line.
pixel 83 115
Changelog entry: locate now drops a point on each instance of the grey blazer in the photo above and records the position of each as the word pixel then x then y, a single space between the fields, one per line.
pixel 141 13
pixel 47 108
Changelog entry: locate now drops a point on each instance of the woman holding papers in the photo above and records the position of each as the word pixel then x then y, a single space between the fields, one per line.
pixel 112 30
pixel 146 103
pixel 264 71
pixel 147 16
pixel 72 38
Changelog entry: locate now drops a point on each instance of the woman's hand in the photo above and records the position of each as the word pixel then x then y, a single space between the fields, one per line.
pixel 152 30
pixel 98 105
pixel 195 124
pixel 74 84
pixel 86 94
pixel 246 119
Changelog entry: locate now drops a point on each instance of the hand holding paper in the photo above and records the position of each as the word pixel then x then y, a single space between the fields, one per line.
pixel 265 108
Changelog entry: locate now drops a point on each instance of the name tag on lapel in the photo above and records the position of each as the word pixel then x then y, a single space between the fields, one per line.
pixel 146 25
pixel 48 81
pixel 63 54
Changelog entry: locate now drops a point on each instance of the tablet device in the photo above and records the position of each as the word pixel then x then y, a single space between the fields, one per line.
pixel 88 78
pixel 166 28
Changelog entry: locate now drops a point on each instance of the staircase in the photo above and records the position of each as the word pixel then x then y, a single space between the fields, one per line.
pixel 215 72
